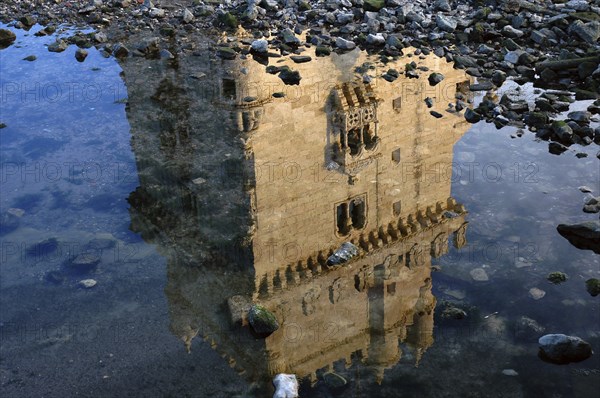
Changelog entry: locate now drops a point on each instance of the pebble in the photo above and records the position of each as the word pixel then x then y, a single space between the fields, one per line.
pixel 88 283
pixel 536 293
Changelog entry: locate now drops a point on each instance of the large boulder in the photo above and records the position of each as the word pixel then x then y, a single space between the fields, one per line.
pixel 585 235
pixel 562 349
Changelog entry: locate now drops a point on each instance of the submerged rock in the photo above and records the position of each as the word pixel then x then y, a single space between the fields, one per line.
pixel 334 380
pixel 343 254
pixel 584 235
pixel 85 261
pixel 263 321
pixel 286 386
pixel 479 275
pixel 88 283
pixel 536 293
pixel 6 38
pixel 562 349
pixel 527 329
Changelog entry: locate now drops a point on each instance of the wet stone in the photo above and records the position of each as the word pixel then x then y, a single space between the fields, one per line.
pixel 263 321
pixel 527 329
pixel 85 261
pixel 239 306
pixel 300 59
pixel 8 222
pixel 592 205
pixel 88 283
pixel 435 114
pixel 563 349
pixel 509 372
pixel 58 46
pixel 593 286
pixel 435 78
pixel 290 77
pixel 43 247
pixel 81 54
pixel 6 38
pixel 30 58
pixel 557 277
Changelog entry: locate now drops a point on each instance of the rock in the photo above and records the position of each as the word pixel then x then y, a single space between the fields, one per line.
pixel 375 39
pixel 435 78
pixel 27 20
pixel 120 51
pixel 509 372
pixel 239 307
pixel 334 381
pixel 452 312
pixel 43 248
pixel 441 5
pixel 498 77
pixel 588 32
pixel 9 222
pixel 472 116
pixel 289 37
pixel 30 58
pixel 58 46
pixel 88 283
pixel 156 13
pixel 556 148
pixel 557 277
pixel 511 32
pixel 228 20
pixel 226 53
pixel 373 5
pixel 263 321
pixel 593 286
pixel 85 261
pixel 479 275
pixel 483 85
pixel 344 44
pixel 435 114
pixel 300 59
pixel 562 130
pixel 582 117
pixel 592 205
pixel 445 23
pixel 512 57
pixel 562 349
pixel 342 255
pixel 6 38
pixel 260 46
pixel 187 16
pixel 286 386
pixel 527 329
pixel 428 102
pixel 584 235
pixel 585 189
pixel 536 293
pixel 100 37
pixel 81 54
pixel 322 51
pixel 54 277
pixel 290 77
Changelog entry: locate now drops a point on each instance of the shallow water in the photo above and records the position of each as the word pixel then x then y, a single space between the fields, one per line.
pixel 188 192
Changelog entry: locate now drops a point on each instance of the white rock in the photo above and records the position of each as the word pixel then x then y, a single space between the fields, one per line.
pixel 286 386
pixel 88 283
pixel 510 372
pixel 187 16
pixel 260 46
pixel 375 38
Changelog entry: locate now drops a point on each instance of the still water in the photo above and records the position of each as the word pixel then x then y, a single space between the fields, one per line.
pixel 177 184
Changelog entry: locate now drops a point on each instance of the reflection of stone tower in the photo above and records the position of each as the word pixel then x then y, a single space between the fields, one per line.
pixel 282 182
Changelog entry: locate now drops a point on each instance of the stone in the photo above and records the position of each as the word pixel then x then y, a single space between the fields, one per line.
pixel 562 130
pixel 445 23
pixel 120 51
pixel 239 307
pixel 101 37
pixel 260 46
pixel 226 53
pixel 442 5
pixel 286 386
pixel 585 189
pixel 342 255
pixel 375 39
pixel 557 277
pixel 290 77
pixel 435 78
pixel 373 5
pixel 511 32
pixel 58 46
pixel 527 329
pixel 344 44
pixel 30 58
pixel 588 32
pixel 593 286
pixel 585 235
pixel 512 57
pixel 88 283
pixel 300 59
pixel 428 102
pixel 289 37
pixel 81 54
pixel 322 51
pixel 479 275
pixel 452 312
pixel 536 293
pixel 592 205
pixel 562 349
pixel 228 20
pixel 263 321
pixel 85 261
pixel 471 116
pixel 54 277
pixel 435 114
pixel 9 222
pixel 6 38
pixel 580 116
pixel 509 372
pixel 27 20
pixel 187 16
pixel 156 13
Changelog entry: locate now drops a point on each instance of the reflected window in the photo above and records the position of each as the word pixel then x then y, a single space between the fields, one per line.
pixel 229 90
pixel 396 155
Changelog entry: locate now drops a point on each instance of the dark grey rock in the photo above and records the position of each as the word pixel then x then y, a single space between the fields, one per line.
pixel 290 77
pixel 588 32
pixel 299 59
pixel 6 38
pixel 58 46
pixel 471 116
pixel 584 235
pixel 263 321
pixel 593 286
pixel 81 54
pixel 435 78
pixel 447 24
pixel 563 349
